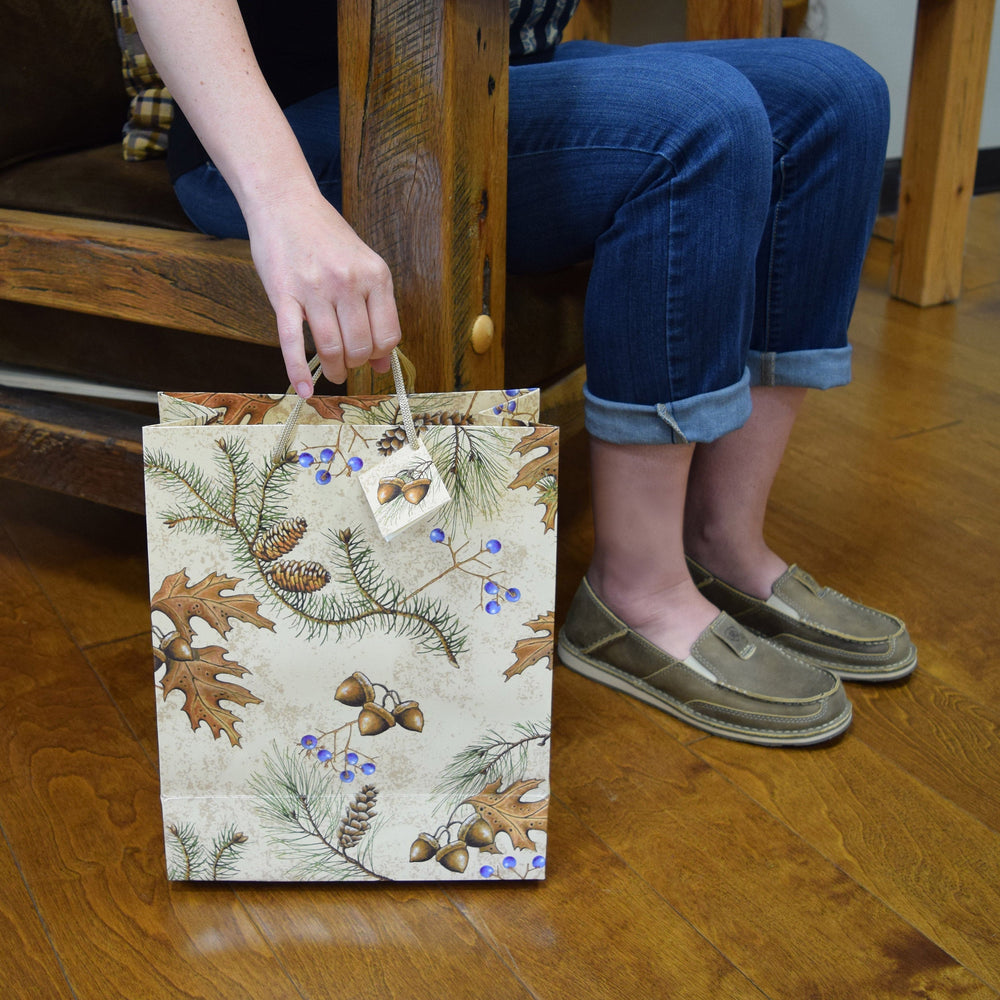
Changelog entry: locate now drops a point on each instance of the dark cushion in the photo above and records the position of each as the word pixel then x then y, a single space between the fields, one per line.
pixel 60 77
pixel 95 184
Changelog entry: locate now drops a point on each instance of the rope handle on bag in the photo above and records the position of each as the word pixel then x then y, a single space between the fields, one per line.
pixel 402 400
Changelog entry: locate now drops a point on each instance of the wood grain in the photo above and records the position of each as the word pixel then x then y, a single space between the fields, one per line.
pixel 30 966
pixel 680 864
pixel 600 895
pixel 180 280
pixel 423 92
pixel 85 829
pixel 373 941
pixel 725 19
pixel 947 87
pixel 77 448
pixel 880 825
pixel 741 874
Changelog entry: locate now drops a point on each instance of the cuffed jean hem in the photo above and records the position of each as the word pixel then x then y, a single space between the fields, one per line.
pixel 819 368
pixel 704 417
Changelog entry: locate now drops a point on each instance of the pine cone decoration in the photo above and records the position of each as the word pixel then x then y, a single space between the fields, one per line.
pixel 280 539
pixel 395 437
pixel 298 577
pixel 359 813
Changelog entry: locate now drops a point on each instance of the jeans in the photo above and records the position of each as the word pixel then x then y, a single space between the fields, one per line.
pixel 725 192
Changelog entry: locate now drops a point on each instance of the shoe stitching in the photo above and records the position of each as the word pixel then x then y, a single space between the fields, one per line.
pixel 684 709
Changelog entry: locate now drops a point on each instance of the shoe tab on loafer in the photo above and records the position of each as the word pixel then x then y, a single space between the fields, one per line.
pixel 736 638
pixel 819 623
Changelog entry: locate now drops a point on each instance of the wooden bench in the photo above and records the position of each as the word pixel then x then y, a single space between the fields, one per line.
pixel 426 132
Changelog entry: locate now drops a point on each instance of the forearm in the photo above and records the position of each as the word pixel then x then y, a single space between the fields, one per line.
pixel 202 51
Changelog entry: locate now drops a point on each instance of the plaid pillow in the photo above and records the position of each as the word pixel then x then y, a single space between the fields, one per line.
pixel 151 109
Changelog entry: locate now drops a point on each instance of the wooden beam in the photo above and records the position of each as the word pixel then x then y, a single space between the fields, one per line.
pixel 181 280
pixel 77 448
pixel 424 151
pixel 947 86
pixel 729 19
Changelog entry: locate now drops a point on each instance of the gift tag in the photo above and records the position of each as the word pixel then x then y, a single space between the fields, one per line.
pixel 403 489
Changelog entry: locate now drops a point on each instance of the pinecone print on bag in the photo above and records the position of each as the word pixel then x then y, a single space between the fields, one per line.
pixel 280 539
pixel 358 819
pixel 395 437
pixel 298 577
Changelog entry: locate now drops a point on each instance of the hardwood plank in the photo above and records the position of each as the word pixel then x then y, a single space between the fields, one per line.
pixel 754 888
pixel 182 280
pixel 29 966
pixel 379 941
pixel 125 668
pixel 76 448
pixel 944 740
pixel 588 914
pixel 947 86
pixel 79 805
pixel 918 853
pixel 89 560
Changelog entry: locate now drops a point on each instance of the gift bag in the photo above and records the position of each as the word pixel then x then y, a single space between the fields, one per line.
pixel 349 688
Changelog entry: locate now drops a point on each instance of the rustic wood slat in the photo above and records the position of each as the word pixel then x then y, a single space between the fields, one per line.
pixel 947 87
pixel 725 19
pixel 424 149
pixel 182 280
pixel 69 543
pixel 77 448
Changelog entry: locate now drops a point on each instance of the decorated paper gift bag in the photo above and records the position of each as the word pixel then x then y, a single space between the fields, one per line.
pixel 349 687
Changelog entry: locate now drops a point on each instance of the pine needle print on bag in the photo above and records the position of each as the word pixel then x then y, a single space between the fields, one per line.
pixel 333 705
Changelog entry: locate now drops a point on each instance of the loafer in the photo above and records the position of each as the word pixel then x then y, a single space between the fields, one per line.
pixel 733 684
pixel 855 642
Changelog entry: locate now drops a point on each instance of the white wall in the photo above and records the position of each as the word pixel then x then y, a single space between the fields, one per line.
pixel 881 32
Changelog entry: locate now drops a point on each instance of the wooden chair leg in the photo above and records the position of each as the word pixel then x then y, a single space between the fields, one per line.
pixel 950 53
pixel 424 152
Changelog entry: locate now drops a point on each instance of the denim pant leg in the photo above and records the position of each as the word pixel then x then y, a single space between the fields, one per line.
pixel 657 163
pixel 829 114
pixel 211 205
pixel 664 163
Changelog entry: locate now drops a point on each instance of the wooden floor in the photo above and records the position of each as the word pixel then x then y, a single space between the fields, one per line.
pixel 682 866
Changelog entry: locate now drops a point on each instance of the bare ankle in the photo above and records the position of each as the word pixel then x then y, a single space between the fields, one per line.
pixel 671 613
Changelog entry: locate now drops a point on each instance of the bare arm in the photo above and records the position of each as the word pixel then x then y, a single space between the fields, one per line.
pixel 313 266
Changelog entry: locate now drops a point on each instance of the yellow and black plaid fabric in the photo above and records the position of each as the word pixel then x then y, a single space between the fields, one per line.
pixel 151 108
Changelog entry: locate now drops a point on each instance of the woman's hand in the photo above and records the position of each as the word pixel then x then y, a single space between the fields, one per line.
pixel 315 269
pixel 313 266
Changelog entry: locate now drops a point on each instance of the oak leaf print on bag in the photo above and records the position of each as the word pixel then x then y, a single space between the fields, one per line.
pixel 195 671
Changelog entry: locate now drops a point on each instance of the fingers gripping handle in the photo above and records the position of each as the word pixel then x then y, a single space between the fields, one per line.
pixel 403 401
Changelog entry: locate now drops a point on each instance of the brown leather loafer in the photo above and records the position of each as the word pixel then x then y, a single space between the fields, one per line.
pixel 733 684
pixel 854 642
